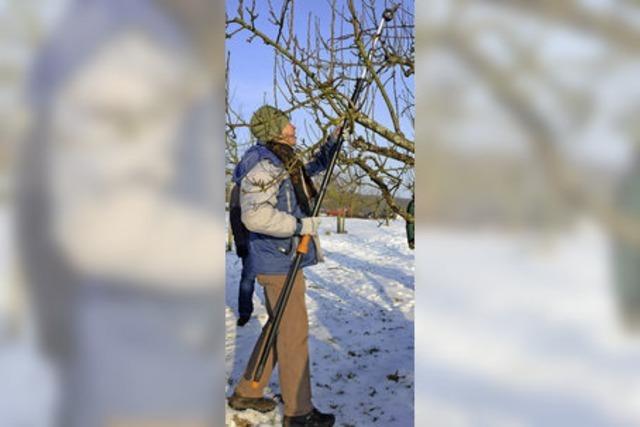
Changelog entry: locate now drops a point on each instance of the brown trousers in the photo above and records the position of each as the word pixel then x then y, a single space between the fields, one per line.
pixel 291 349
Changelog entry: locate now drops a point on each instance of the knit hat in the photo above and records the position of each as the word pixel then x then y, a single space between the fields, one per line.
pixel 267 123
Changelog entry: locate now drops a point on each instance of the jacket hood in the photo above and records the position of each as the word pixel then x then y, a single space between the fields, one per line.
pixel 252 157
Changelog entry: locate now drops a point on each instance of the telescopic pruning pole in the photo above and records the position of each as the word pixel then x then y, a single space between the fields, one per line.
pixel 271 328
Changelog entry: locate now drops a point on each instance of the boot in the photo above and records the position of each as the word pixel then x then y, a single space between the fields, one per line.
pixel 314 418
pixel 260 404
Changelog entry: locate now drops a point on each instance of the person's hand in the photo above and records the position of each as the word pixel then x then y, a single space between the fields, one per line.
pixel 335 132
pixel 310 225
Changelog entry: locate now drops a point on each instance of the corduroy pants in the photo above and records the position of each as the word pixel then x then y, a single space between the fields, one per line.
pixel 291 349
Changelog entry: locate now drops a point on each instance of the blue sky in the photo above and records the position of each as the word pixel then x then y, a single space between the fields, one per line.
pixel 251 68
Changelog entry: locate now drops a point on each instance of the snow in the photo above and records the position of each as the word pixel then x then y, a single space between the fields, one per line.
pixel 27 389
pixel 360 303
pixel 512 329
pixel 521 330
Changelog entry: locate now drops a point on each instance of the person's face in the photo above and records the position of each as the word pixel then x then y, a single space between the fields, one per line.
pixel 288 135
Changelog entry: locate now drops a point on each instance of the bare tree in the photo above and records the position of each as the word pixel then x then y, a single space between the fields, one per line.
pixel 493 45
pixel 315 69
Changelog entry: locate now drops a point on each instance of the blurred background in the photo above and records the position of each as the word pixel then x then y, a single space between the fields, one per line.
pixel 528 192
pixel 111 225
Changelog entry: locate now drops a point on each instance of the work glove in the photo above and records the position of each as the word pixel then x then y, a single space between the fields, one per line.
pixel 310 225
pixel 335 133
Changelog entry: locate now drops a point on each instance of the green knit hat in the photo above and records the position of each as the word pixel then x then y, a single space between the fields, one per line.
pixel 267 123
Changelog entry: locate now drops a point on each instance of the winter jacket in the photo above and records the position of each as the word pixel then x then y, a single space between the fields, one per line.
pixel 270 209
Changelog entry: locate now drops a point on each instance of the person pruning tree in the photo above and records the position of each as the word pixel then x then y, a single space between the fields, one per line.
pixel 280 206
pixel 276 196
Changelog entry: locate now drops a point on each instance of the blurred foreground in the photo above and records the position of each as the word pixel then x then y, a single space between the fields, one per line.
pixel 528 213
pixel 115 233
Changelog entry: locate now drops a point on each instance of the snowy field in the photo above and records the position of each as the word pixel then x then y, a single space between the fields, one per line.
pixel 511 330
pixel 360 304
pixel 521 330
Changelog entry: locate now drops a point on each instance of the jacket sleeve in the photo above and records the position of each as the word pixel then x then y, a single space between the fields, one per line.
pixel 258 199
pixel 321 160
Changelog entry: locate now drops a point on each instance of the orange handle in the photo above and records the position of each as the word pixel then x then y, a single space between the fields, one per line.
pixel 303 246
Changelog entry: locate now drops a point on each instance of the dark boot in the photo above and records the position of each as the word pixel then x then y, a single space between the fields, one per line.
pixel 242 320
pixel 260 404
pixel 314 418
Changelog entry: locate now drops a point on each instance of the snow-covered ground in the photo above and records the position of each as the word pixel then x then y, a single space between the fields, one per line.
pixel 360 304
pixel 521 330
pixel 511 330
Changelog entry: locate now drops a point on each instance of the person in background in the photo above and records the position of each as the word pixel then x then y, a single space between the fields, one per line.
pixel 626 253
pixel 411 223
pixel 241 240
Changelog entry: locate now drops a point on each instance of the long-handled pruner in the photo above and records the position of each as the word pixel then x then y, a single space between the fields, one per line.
pixel 271 328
